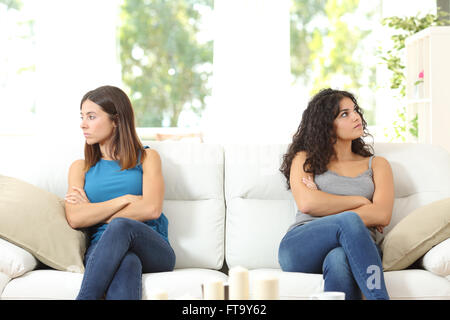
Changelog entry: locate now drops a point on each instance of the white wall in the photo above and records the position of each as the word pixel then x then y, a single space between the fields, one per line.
pixel 251 72
pixel 76 52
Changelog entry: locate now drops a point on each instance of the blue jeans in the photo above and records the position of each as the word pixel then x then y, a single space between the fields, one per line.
pixel 115 263
pixel 340 247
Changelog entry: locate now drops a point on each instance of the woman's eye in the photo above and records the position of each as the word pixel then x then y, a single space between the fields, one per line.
pixel 91 117
pixel 345 113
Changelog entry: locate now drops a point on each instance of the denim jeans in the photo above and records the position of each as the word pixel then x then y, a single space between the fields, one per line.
pixel 115 263
pixel 340 247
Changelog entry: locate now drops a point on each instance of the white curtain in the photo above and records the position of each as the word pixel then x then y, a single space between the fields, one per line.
pixel 251 73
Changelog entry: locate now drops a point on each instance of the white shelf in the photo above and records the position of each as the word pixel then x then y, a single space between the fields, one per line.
pixel 417 101
pixel 428 51
pixel 431 31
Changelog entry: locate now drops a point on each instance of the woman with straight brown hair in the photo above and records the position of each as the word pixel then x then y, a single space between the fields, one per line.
pixel 116 193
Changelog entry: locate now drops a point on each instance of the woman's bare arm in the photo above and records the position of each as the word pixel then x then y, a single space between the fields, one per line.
pixel 316 202
pixel 380 211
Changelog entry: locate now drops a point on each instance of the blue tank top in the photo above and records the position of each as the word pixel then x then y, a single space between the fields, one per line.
pixel 105 181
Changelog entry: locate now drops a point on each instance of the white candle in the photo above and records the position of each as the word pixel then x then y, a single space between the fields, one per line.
pixel 158 295
pixel 213 290
pixel 266 288
pixel 238 283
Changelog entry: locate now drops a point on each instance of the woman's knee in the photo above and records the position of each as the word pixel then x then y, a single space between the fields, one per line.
pixel 121 225
pixel 288 257
pixel 336 262
pixel 131 262
pixel 350 219
pixel 285 255
pixel 284 258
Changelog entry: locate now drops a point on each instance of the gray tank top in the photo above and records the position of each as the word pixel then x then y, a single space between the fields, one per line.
pixel 333 183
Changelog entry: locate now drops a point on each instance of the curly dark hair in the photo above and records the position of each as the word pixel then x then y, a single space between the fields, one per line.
pixel 316 134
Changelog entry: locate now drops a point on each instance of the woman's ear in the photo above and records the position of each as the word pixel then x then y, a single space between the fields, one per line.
pixel 116 121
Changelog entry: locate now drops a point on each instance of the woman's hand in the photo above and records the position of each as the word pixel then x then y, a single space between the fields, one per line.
pixel 77 196
pixel 309 182
pixel 380 229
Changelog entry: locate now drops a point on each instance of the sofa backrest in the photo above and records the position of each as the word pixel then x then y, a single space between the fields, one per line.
pixel 260 209
pixel 193 175
pixel 40 160
pixel 201 180
pixel 421 176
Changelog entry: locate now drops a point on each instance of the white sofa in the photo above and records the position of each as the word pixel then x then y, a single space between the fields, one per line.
pixel 227 206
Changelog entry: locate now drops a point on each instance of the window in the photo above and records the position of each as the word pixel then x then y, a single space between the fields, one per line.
pixel 18 67
pixel 231 70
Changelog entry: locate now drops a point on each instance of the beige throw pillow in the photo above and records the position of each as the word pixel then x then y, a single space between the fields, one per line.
pixel 415 234
pixel 34 219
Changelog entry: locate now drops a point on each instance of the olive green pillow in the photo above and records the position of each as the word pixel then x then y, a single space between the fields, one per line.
pixel 415 234
pixel 34 219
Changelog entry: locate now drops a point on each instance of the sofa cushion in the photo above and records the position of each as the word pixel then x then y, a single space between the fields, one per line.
pixel 416 284
pixel 259 207
pixel 4 279
pixel 44 284
pixel 437 259
pixel 194 202
pixel 34 219
pixel 54 284
pixel 252 240
pixel 415 234
pixel 196 232
pixel 15 261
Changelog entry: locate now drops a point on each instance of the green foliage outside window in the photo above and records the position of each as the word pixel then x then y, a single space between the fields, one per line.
pixel 164 66
pixel 314 24
pixel 12 4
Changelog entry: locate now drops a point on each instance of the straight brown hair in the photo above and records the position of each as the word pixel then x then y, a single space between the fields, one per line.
pixel 125 145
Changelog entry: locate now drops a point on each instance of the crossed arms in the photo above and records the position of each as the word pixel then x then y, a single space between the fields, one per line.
pixel 81 213
pixel 312 201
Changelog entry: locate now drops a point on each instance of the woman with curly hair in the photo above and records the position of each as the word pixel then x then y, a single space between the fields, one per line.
pixel 343 194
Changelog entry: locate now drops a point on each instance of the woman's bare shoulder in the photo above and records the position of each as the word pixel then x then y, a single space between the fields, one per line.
pixel 379 161
pixel 151 155
pixel 152 159
pixel 77 165
pixel 301 156
pixel 380 164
